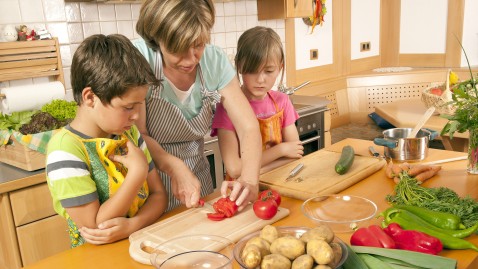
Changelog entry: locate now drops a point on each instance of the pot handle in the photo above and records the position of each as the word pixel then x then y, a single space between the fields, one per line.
pixel 385 142
pixel 433 134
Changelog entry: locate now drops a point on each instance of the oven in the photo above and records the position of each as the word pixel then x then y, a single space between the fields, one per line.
pixel 213 155
pixel 310 125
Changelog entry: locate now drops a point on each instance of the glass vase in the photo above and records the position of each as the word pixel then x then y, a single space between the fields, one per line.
pixel 472 166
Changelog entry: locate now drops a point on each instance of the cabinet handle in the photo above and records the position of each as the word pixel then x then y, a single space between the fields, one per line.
pixel 295 3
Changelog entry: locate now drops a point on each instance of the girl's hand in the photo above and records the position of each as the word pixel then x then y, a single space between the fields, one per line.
pixel 293 149
pixel 108 231
pixel 134 160
pixel 241 192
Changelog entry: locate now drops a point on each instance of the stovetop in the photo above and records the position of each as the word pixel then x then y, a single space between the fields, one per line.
pixel 308 104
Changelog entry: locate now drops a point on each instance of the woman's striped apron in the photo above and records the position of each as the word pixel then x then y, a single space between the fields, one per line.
pixel 179 136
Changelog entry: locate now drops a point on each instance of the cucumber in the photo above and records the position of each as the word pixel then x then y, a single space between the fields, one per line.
pixel 346 160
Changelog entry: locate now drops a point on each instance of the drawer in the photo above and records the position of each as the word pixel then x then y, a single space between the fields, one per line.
pixel 43 238
pixel 31 204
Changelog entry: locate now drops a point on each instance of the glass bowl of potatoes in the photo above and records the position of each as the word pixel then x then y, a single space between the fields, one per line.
pixel 284 247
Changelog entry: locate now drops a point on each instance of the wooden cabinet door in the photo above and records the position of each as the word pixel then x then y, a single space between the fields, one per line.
pixel 282 9
pixel 31 204
pixel 42 238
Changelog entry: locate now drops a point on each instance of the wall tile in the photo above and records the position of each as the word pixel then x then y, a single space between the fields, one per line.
pixel 241 23
pixel 89 12
pixel 10 12
pixel 123 12
pixel 229 9
pixel 240 7
pixel 106 12
pixel 108 27
pixel 271 23
pixel 135 8
pixel 31 10
pixel 230 24
pixel 251 21
pixel 231 40
pixel 219 26
pixel 219 7
pixel 66 55
pixel 91 28
pixel 135 34
pixel 72 12
pixel 59 30
pixel 219 40
pixel 75 32
pixel 251 7
pixel 54 10
pixel 126 28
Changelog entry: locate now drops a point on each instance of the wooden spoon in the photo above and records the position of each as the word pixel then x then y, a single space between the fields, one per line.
pixel 421 122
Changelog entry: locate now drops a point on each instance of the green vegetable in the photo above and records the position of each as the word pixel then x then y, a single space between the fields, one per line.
pixel 346 160
pixel 373 262
pixel 439 219
pixel 15 120
pixel 402 257
pixel 409 192
pixel 353 261
pixel 61 109
pixel 409 221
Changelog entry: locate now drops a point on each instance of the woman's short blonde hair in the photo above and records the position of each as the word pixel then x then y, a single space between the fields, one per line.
pixel 177 24
pixel 256 47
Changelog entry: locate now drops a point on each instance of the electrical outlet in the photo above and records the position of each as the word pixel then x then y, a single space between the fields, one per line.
pixel 314 54
pixel 365 46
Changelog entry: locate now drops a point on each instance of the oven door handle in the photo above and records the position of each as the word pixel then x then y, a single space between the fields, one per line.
pixel 312 139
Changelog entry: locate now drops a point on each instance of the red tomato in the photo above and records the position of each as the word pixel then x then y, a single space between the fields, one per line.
pixel 265 208
pixel 225 206
pixel 270 194
pixel 216 216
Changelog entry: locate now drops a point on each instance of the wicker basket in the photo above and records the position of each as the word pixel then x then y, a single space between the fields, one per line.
pixel 440 102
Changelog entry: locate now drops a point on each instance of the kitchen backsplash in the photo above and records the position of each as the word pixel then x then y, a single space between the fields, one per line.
pixel 73 22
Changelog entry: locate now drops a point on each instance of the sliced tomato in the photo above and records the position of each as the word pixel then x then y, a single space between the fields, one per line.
pixel 216 216
pixel 270 194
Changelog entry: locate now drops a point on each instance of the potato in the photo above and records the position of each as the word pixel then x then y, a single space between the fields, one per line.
pixel 269 233
pixel 303 262
pixel 263 245
pixel 320 250
pixel 251 256
pixel 337 254
pixel 275 261
pixel 320 232
pixel 288 246
pixel 322 266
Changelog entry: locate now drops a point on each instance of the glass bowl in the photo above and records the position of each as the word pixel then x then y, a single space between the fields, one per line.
pixel 342 213
pixel 194 251
pixel 285 230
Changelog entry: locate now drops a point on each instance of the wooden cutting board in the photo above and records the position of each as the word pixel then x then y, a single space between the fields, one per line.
pixel 194 221
pixel 318 175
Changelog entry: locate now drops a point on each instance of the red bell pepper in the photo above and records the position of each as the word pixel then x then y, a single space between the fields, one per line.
pixel 413 240
pixel 372 236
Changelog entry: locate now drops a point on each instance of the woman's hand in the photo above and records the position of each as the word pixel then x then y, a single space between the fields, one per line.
pixel 108 231
pixel 185 185
pixel 241 192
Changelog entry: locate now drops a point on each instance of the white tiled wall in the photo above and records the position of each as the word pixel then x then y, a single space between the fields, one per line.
pixel 72 22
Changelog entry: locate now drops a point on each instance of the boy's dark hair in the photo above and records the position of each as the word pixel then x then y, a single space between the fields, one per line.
pixel 110 65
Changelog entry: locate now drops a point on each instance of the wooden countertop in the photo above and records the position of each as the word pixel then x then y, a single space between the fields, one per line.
pixel 375 187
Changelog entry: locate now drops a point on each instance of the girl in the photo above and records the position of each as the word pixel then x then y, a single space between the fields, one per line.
pixel 259 60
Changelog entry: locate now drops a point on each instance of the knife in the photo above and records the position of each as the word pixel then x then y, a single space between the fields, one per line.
pixel 374 152
pixel 295 171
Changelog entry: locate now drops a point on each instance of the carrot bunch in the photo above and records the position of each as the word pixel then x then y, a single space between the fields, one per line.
pixel 421 172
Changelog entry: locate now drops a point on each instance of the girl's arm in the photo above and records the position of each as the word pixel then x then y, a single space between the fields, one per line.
pixel 229 147
pixel 247 128
pixel 291 147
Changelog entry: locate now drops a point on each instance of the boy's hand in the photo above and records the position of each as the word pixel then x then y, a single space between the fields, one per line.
pixel 134 160
pixel 109 231
pixel 293 149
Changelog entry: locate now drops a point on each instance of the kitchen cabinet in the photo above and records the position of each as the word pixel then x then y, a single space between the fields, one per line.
pixel 282 9
pixel 30 228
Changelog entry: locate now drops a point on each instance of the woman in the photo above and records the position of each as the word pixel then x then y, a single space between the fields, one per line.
pixel 178 114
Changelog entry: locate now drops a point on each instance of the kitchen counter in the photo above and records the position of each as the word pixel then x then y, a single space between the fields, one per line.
pixel 12 178
pixel 375 187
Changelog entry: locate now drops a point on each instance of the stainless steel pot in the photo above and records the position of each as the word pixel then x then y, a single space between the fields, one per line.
pixel 399 147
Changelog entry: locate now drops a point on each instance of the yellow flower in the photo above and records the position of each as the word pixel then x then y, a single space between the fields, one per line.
pixel 453 78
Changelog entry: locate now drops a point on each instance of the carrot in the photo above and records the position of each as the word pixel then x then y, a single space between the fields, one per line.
pixel 428 174
pixel 405 166
pixel 418 169
pixel 396 180
pixel 396 170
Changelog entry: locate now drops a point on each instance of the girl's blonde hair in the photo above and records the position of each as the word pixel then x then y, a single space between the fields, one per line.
pixel 178 24
pixel 256 47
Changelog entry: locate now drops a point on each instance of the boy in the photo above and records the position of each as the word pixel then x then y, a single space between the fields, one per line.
pixel 99 171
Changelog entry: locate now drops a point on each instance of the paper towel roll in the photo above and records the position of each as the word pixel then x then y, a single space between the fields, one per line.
pixel 30 97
